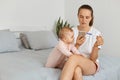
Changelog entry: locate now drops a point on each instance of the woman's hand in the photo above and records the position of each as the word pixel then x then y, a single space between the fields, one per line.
pixel 80 40
pixel 99 41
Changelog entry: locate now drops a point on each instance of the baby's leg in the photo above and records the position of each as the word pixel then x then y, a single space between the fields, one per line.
pixel 62 62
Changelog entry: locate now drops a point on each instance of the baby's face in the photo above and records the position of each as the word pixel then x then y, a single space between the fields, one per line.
pixel 69 37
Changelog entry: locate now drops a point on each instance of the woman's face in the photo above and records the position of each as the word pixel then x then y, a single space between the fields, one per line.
pixel 84 17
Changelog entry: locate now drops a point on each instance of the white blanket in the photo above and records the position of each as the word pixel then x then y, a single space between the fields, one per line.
pixel 29 65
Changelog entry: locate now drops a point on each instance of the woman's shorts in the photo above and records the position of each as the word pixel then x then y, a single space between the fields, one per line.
pixel 97 65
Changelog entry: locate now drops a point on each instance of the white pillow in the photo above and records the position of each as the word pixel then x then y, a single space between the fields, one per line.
pixel 41 39
pixel 5 30
pixel 8 42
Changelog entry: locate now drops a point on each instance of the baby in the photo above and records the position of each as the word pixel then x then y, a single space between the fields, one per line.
pixel 65 48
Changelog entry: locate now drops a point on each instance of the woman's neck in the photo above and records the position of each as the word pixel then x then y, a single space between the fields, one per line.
pixel 84 28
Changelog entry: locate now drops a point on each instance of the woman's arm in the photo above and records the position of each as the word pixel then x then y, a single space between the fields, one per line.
pixel 94 53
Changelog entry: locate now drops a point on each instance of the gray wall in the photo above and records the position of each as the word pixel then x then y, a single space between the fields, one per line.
pixel 107 20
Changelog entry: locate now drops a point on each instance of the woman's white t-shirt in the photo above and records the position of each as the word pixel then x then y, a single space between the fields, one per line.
pixel 90 40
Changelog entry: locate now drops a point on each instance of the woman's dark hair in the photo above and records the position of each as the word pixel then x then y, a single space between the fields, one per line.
pixel 89 8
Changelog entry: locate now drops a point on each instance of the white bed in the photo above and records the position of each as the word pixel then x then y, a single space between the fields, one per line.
pixel 27 64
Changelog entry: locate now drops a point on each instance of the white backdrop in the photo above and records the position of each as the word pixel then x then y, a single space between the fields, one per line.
pixel 30 14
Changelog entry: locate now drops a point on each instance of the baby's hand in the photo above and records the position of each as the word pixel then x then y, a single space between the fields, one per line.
pixel 70 55
pixel 84 55
pixel 81 55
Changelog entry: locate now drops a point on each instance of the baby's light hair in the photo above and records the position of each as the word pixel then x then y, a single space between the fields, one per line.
pixel 64 31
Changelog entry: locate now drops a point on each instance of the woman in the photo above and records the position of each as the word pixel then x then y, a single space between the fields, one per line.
pixel 76 65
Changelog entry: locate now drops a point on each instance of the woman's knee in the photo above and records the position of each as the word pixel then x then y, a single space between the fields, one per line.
pixel 71 61
pixel 74 57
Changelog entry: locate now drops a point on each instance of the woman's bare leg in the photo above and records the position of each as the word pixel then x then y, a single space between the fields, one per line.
pixel 87 66
pixel 77 74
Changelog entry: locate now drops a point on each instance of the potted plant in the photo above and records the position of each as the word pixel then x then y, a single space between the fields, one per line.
pixel 60 24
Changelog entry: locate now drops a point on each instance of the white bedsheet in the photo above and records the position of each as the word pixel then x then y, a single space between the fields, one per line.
pixel 29 65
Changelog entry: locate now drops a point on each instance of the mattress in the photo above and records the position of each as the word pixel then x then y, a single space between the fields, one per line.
pixel 29 65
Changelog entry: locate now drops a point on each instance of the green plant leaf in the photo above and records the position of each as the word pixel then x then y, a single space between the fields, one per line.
pixel 59 20
pixel 65 24
pixel 68 25
pixel 60 24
